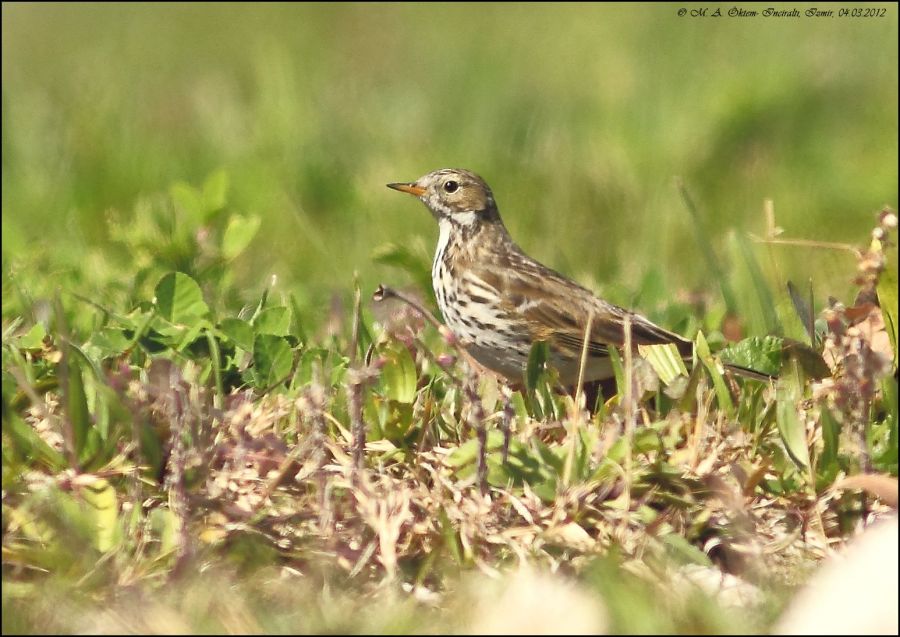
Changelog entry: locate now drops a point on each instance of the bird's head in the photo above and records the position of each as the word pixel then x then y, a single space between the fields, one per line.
pixel 455 195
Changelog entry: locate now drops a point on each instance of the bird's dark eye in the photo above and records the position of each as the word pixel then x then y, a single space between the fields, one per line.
pixel 451 186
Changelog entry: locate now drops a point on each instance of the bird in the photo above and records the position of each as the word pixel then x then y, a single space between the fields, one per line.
pixel 498 301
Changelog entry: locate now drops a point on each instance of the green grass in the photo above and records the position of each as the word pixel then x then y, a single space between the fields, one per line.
pixel 178 449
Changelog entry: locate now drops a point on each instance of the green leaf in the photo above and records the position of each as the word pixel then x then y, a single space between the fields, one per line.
pixel 152 450
pixel 887 298
pixel 76 403
pixel 758 307
pixel 33 338
pixel 297 327
pixel 809 360
pixel 665 361
pixel 273 320
pixel 450 535
pixel 828 466
pixel 683 552
pixel 238 234
pixel 536 370
pixel 618 366
pixel 216 362
pixel 399 376
pixel 722 393
pixel 238 332
pixel 464 454
pixel 164 525
pixel 788 392
pixel 705 246
pixel 110 341
pixel 272 360
pixel 215 190
pixel 886 460
pixel 100 496
pixel 311 358
pixel 760 353
pixel 188 199
pixel 537 359
pixel 396 420
pixel 29 446
pixel 645 440
pixel 804 310
pixel 191 334
pixel 179 299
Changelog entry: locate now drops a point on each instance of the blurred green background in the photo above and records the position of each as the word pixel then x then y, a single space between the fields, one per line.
pixel 579 116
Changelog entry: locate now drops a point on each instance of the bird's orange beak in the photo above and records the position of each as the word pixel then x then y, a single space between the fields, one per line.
pixel 412 188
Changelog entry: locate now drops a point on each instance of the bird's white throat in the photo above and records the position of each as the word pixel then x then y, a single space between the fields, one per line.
pixel 446 230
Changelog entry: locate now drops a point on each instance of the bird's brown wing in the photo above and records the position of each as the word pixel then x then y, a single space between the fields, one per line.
pixel 556 309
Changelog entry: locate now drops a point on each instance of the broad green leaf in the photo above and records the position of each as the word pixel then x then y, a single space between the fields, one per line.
pixel 179 299
pixel 760 353
pixel 552 456
pixel 396 419
pixel 163 334
pixel 111 341
pixel 272 360
pixel 273 320
pixel 189 200
pixel 467 452
pixel 215 190
pixel 645 440
pixel 546 490
pixel 399 375
pixel 33 338
pixel 238 332
pixel 463 455
pixel 311 361
pixel 238 234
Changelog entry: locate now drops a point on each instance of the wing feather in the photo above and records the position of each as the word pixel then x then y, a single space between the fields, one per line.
pixel 557 309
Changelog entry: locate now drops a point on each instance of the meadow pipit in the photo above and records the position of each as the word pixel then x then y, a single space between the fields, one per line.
pixel 498 301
